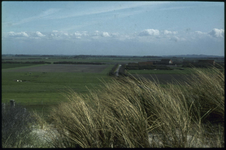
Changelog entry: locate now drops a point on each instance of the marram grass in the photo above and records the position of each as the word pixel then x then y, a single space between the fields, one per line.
pixel 138 113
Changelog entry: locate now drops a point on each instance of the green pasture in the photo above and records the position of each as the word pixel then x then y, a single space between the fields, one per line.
pixel 41 90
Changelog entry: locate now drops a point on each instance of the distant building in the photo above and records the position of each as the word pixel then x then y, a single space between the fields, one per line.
pixel 212 62
pixel 166 61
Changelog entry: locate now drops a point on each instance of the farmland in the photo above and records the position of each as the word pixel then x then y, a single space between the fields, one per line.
pixel 62 68
pixel 43 84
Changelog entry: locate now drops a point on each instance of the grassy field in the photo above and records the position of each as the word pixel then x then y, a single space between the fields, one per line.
pixel 39 90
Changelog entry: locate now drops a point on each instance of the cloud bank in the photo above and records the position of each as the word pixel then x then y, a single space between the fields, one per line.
pixel 145 42
pixel 149 32
pixel 145 34
pixel 217 33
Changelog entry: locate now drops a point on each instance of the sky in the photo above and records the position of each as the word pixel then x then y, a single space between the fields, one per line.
pixel 113 28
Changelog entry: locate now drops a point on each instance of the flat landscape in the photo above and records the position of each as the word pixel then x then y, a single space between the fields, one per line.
pixel 43 85
pixel 61 68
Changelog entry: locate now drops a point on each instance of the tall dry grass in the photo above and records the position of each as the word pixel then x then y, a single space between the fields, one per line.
pixel 130 112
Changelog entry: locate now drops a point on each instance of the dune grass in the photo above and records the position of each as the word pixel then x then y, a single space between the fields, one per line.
pixel 138 113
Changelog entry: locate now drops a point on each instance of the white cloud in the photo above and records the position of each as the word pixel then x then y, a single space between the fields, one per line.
pixel 146 36
pixel 39 34
pixel 97 32
pixel 165 41
pixel 77 34
pixel 175 38
pixel 24 34
pixel 55 34
pixel 66 34
pixel 169 32
pixel 80 35
pixel 217 32
pixel 200 33
pixel 20 34
pixel 52 34
pixel 149 32
pixel 84 33
pixel 105 34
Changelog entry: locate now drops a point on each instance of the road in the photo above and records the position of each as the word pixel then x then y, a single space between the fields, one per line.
pixel 117 70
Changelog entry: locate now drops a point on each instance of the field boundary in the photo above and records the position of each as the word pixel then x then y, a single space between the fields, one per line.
pixel 76 68
pixel 25 66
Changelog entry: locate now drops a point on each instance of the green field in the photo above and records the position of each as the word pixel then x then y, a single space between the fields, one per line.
pixel 41 90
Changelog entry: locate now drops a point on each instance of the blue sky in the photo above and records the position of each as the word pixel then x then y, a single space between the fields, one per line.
pixel 113 28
